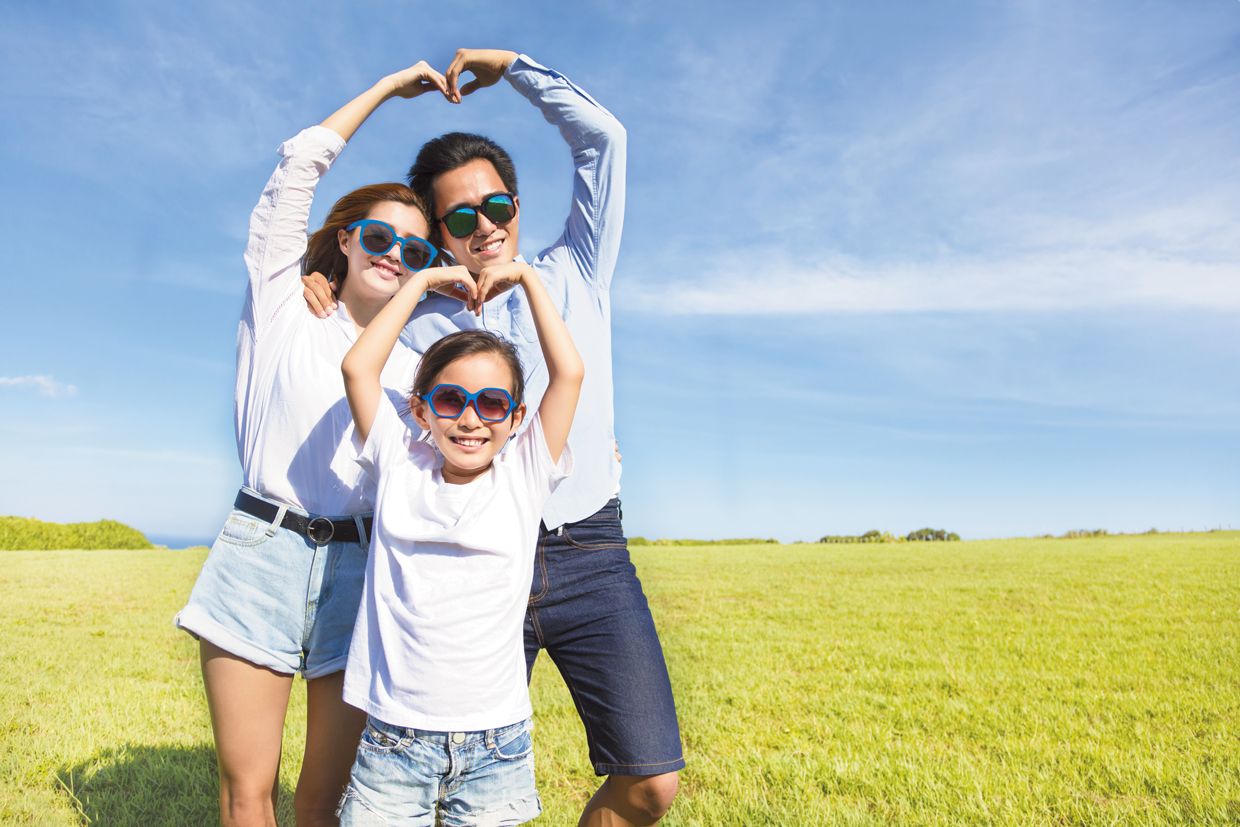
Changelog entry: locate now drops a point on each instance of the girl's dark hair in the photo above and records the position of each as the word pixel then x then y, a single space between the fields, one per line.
pixel 449 152
pixel 323 248
pixel 459 345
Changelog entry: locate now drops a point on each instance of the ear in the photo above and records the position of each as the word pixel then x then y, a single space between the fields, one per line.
pixel 518 416
pixel 417 406
pixel 342 237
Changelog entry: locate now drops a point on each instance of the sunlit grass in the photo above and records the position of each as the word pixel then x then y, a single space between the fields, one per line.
pixel 1087 681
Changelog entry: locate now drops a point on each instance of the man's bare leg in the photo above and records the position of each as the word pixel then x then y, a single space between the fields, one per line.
pixel 630 801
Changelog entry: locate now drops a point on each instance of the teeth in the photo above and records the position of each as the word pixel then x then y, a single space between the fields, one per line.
pixel 492 247
pixel 469 443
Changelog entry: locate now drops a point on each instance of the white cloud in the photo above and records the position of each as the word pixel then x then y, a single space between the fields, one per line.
pixel 1074 280
pixel 47 385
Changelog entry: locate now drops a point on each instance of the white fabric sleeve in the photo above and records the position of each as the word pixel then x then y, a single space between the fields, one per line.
pixel 278 225
pixel 532 463
pixel 388 437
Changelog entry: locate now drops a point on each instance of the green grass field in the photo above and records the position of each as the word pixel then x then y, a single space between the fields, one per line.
pixel 1022 682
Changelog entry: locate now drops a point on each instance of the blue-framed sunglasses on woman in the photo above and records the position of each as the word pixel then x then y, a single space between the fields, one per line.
pixel 377 238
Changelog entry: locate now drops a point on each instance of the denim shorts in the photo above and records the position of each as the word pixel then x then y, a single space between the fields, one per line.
pixel 415 778
pixel 587 609
pixel 271 596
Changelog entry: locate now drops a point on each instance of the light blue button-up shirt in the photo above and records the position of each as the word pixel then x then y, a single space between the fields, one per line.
pixel 577 271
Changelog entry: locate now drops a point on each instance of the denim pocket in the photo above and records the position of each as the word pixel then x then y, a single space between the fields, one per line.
pixel 243 530
pixel 513 744
pixel 381 738
pixel 596 533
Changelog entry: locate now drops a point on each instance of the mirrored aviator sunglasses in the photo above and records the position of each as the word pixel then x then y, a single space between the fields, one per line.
pixel 377 238
pixel 499 209
pixel 450 401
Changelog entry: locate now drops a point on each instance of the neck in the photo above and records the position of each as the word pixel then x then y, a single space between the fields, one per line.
pixel 361 310
pixel 457 476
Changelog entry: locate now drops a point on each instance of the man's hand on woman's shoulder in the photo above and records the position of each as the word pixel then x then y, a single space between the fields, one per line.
pixel 320 294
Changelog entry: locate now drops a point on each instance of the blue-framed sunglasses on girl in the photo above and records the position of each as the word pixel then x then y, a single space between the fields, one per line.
pixel 450 401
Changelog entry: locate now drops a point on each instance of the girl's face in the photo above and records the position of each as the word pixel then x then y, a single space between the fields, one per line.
pixel 468 443
pixel 378 277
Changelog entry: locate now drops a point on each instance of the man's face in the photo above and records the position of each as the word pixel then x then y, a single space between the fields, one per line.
pixel 468 186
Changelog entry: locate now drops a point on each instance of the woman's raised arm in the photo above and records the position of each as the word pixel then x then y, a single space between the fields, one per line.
pixel 410 83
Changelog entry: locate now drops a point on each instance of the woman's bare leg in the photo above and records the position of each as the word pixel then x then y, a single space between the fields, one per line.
pixel 248 704
pixel 333 729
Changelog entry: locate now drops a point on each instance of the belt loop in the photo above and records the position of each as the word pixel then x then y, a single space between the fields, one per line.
pixel 362 537
pixel 279 518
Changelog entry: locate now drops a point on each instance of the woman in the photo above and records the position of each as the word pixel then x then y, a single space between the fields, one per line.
pixel 280 590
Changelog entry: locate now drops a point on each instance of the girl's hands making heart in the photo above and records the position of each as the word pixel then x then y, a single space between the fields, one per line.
pixel 497 279
pixel 456 282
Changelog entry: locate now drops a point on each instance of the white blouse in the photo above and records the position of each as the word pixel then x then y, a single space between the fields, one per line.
pixel 294 428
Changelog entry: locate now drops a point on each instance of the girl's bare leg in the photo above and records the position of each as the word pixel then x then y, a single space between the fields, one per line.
pixel 333 729
pixel 248 703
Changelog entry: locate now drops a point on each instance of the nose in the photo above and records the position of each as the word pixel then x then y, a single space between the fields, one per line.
pixel 485 225
pixel 469 417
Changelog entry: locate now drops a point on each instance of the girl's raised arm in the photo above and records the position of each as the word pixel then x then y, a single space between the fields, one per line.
pixel 565 370
pixel 364 362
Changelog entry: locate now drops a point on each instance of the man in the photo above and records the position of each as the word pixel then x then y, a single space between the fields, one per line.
pixel 586 609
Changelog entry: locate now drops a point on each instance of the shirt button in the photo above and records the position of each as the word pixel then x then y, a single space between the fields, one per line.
pixel 458 737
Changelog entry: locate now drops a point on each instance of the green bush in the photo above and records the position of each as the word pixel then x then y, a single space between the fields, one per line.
pixel 25 534
pixel 869 537
pixel 932 535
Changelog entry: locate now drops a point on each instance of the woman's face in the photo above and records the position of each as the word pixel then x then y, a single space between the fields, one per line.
pixel 378 277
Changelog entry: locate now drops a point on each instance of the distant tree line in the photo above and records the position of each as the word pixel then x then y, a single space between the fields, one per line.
pixel 921 535
pixel 26 534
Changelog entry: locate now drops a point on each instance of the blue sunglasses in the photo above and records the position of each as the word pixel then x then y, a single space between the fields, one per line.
pixel 450 401
pixel 377 238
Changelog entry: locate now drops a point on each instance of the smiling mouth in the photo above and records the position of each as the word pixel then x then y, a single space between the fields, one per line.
pixel 490 246
pixel 385 266
pixel 468 442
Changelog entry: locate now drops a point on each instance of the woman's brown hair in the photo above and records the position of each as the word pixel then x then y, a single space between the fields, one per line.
pixel 323 253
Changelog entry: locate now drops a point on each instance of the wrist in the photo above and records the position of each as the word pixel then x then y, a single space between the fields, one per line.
pixel 386 88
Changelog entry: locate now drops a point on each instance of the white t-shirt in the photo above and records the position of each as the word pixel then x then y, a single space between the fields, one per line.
pixel 294 428
pixel 438 643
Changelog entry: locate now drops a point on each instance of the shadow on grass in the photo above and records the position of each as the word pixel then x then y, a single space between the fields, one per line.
pixel 140 785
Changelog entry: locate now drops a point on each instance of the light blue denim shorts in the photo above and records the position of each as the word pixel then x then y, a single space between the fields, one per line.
pixel 412 777
pixel 271 596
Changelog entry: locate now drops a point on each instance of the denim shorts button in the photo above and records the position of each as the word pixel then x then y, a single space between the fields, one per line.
pixel 458 737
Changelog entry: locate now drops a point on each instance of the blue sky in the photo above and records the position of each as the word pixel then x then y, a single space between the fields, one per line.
pixel 970 265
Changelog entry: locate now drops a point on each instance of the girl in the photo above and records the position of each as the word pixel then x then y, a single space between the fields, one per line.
pixel 437 659
pixel 280 590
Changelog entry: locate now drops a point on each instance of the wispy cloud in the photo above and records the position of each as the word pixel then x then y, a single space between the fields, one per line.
pixel 46 385
pixel 1079 279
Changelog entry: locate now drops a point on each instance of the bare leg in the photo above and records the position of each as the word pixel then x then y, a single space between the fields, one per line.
pixel 248 703
pixel 630 801
pixel 333 729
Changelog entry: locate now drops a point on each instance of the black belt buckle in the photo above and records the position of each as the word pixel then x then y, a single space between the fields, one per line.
pixel 320 530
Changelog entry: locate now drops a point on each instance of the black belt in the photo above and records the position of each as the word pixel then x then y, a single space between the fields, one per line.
pixel 319 529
